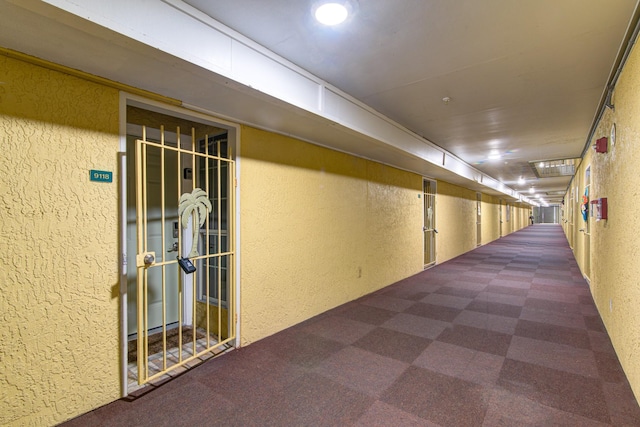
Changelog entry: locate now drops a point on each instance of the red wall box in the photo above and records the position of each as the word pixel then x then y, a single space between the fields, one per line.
pixel 599 208
pixel 601 145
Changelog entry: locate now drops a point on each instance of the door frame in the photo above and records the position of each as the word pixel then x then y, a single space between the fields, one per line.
pixel 587 228
pixel 202 116
pixel 478 219
pixel 500 217
pixel 433 186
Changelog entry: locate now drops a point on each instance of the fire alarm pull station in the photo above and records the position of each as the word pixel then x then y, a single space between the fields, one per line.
pixel 599 208
pixel 601 145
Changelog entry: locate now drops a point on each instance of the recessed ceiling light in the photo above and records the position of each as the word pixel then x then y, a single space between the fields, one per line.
pixel 494 155
pixel 331 13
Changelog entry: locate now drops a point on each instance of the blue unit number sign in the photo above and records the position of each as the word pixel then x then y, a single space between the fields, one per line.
pixel 101 176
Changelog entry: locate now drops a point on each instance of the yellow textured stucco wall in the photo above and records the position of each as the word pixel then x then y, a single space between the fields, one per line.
pixel 615 243
pixel 490 218
pixel 456 221
pixel 58 246
pixel 319 228
pixel 506 219
pixel 517 219
pixel 582 241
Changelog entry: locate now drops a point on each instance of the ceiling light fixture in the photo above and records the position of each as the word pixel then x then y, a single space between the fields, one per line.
pixel 531 190
pixel 521 181
pixel 331 13
pixel 494 155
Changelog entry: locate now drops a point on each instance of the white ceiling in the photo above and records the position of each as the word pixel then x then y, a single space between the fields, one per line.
pixel 524 77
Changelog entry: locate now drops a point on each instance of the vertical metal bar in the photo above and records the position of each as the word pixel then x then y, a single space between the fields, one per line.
pixel 124 347
pixel 424 222
pixel 140 249
pixel 180 292
pixel 162 240
pixel 197 233
pixel 431 225
pixel 145 222
pixel 232 244
pixel 207 275
pixel 219 238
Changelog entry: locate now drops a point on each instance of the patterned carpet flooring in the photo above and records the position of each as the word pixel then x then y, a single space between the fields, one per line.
pixel 505 335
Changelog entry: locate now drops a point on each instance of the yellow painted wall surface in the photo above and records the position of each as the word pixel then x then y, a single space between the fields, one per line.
pixel 525 211
pixel 319 228
pixel 58 246
pixel 581 229
pixel 456 221
pixel 507 218
pixel 490 218
pixel 615 243
pixel 518 216
pixel 572 220
pixel 515 216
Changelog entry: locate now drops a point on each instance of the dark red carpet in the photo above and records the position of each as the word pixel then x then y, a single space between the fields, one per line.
pixel 505 335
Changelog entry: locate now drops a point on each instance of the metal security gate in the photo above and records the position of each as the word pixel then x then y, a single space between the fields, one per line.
pixel 429 228
pixel 185 254
pixel 587 225
pixel 478 219
pixel 500 216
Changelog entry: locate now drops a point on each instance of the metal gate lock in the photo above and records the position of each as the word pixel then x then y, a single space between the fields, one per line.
pixel 145 259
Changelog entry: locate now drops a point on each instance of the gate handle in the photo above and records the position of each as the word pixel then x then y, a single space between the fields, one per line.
pixel 145 259
pixel 174 247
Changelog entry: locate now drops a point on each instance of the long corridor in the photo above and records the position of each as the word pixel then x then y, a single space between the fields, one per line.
pixel 505 335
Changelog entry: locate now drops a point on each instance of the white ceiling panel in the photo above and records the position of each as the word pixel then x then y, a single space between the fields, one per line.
pixel 525 78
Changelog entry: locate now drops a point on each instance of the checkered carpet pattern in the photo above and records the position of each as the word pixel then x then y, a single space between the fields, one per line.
pixel 504 335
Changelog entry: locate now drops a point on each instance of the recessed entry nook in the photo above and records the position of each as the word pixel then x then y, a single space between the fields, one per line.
pixel 179 290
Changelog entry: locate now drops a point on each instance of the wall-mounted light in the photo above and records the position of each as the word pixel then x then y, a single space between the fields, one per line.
pixel 612 134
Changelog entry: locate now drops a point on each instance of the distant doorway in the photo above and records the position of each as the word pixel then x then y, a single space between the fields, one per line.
pixel 546 214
